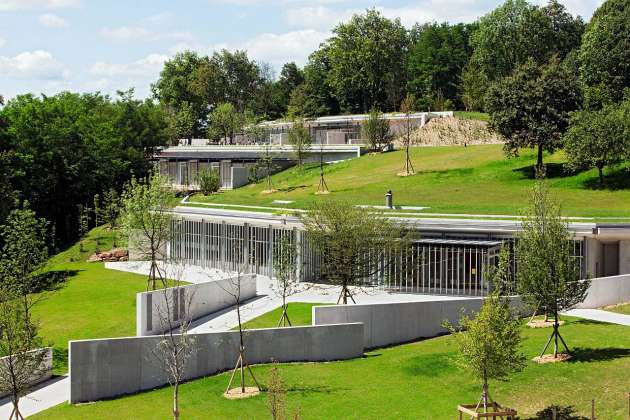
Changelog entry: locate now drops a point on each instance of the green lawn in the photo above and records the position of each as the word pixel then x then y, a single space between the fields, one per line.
pixel 299 314
pixel 454 179
pixel 620 309
pixel 417 380
pixel 93 303
pixel 472 115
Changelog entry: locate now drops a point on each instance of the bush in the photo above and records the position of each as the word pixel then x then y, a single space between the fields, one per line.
pixel 209 181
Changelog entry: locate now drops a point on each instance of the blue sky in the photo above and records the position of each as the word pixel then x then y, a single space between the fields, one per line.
pixel 106 45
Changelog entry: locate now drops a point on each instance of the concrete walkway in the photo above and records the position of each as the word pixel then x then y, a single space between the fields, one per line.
pixel 600 315
pixel 47 394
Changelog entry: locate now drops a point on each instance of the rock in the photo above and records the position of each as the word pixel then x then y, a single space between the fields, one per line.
pixel 123 259
pixel 94 258
pixel 119 253
pixel 105 254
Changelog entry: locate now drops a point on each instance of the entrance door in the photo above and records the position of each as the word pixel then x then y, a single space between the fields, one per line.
pixel 226 174
pixel 611 259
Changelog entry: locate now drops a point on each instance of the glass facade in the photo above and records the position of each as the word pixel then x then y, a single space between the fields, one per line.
pixel 437 263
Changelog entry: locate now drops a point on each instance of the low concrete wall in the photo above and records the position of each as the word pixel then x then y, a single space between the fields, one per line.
pixel 45 369
pixel 202 299
pixel 394 323
pixel 605 291
pixel 111 367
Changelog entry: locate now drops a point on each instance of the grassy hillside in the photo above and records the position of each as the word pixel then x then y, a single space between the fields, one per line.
pixel 418 380
pixel 455 179
pixel 94 302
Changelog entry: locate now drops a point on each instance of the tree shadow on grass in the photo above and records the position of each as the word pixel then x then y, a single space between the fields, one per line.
pixel 552 170
pixel 584 321
pixel 292 188
pixel 429 365
pixel 617 179
pixel 581 354
pixel 561 413
pixel 51 280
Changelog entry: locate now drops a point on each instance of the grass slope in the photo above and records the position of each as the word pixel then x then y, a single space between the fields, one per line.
pixel 453 179
pixel 93 303
pixel 418 380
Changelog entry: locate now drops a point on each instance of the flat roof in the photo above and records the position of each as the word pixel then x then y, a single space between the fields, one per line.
pixel 461 242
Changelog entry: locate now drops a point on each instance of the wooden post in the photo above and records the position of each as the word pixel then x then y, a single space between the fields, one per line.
pixel 593 409
pixel 628 404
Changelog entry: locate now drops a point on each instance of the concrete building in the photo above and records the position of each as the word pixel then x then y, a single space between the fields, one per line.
pixel 452 256
pixel 334 139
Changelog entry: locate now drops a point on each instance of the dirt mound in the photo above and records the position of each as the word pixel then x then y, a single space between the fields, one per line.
pixel 452 131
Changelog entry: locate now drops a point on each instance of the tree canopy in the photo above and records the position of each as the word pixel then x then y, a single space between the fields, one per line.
pixel 531 107
pixel 605 52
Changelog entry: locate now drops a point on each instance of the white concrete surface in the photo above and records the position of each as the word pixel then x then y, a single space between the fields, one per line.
pixel 114 366
pixel 605 291
pixel 600 315
pixel 47 394
pixel 187 273
pixel 161 310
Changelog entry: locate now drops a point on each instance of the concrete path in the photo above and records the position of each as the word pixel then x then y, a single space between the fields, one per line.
pixel 47 394
pixel 187 273
pixel 600 315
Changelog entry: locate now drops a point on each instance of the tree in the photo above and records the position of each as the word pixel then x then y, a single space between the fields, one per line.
pixel 376 130
pixel 276 395
pixel 531 107
pixel 355 245
pixel 20 344
pixel 407 108
pixel 548 273
pixel 489 344
pixel 146 218
pixel 517 31
pixel 300 140
pixel 285 260
pixel 175 346
pixel 111 211
pixel 367 58
pixel 604 54
pixel 266 162
pixel 315 97
pixel 224 122
pixel 23 254
pixel 436 59
pixel 65 148
pixel 83 223
pixel 183 123
pixel 175 88
pixel 234 290
pixel 474 85
pixel 209 182
pixel 598 138
pixel 291 76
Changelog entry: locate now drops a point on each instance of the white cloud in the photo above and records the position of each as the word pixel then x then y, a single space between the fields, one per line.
pixel 318 17
pixel 34 65
pixel 278 49
pixel 13 5
pixel 141 33
pixel 148 66
pixel 52 21
pixel 3 42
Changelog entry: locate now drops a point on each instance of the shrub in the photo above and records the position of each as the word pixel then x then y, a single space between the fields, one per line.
pixel 209 181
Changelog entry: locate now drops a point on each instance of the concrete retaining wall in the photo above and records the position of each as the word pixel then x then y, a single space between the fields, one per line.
pixel 45 369
pixel 607 291
pixel 111 367
pixel 394 323
pixel 202 299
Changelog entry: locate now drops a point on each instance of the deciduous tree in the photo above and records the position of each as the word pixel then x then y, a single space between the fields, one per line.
pixel 376 130
pixel 355 244
pixel 531 107
pixel 146 218
pixel 548 274
pixel 300 140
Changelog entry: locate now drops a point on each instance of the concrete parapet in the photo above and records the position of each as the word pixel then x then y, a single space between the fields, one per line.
pixel 110 367
pixel 43 373
pixel 394 323
pixel 605 291
pixel 202 299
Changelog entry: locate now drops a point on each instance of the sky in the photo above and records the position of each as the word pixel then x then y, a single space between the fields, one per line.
pixel 48 46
